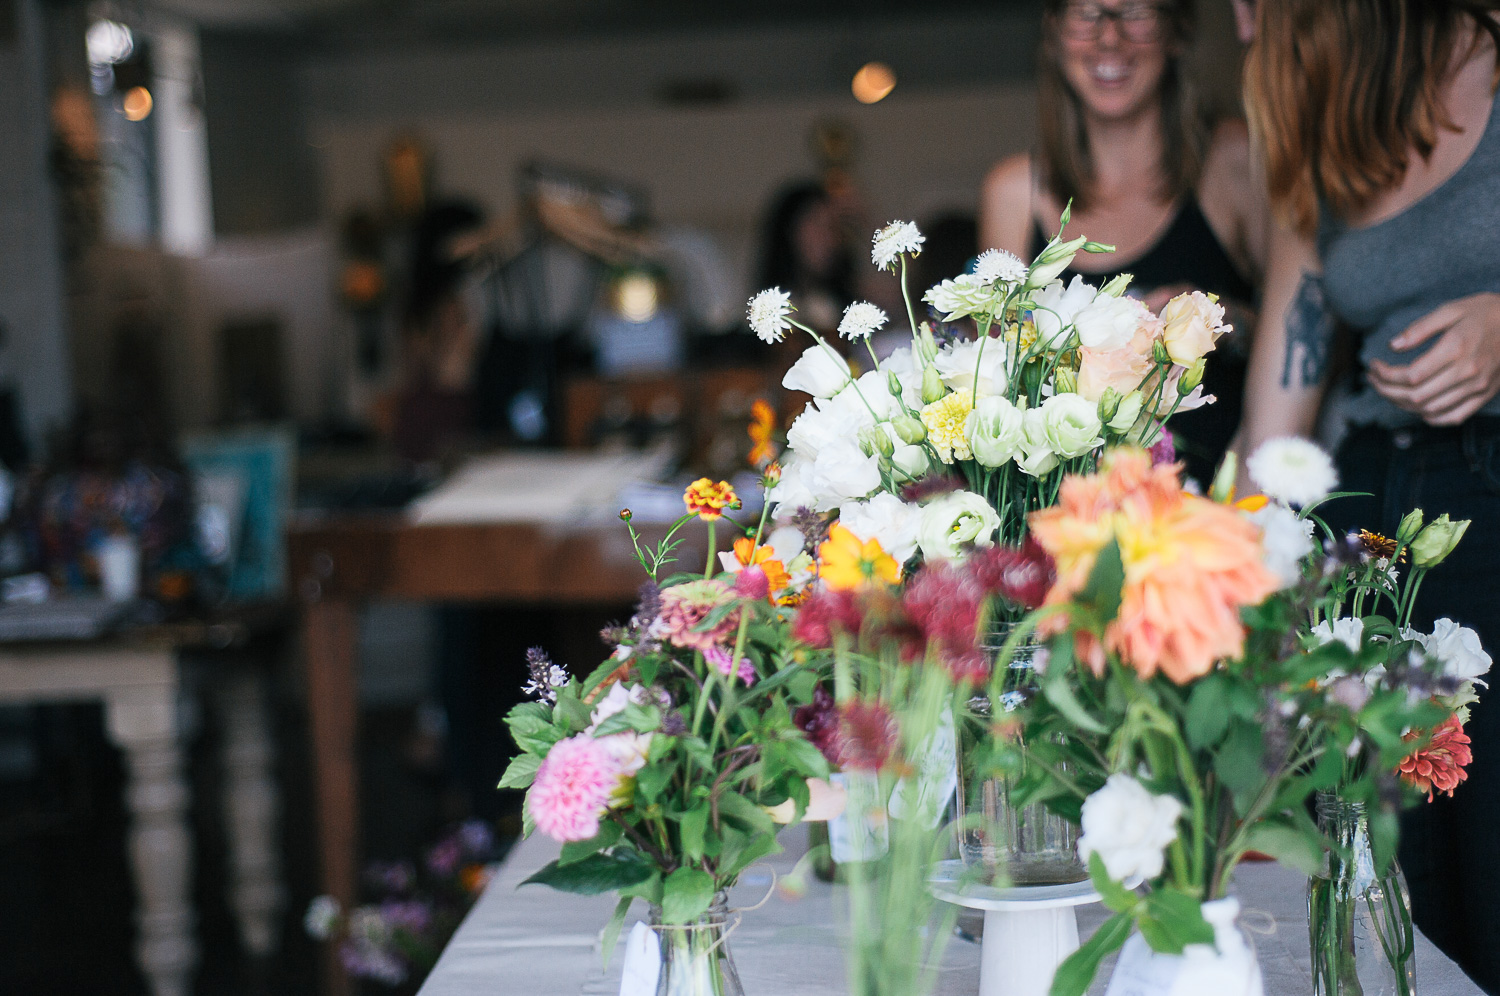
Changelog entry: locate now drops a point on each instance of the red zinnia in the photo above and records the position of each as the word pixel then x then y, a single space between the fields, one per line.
pixel 1439 766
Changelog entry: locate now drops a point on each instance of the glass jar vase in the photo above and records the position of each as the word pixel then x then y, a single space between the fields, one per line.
pixel 1359 922
pixel 1021 845
pixel 695 958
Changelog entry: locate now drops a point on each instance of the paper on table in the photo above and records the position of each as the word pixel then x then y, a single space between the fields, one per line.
pixel 547 487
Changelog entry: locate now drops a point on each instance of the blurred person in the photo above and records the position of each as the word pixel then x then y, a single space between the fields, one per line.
pixel 805 250
pixel 1378 124
pixel 1122 137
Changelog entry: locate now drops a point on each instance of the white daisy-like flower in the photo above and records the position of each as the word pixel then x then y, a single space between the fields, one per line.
pixel 767 314
pixel 893 240
pixel 860 319
pixel 1292 470
pixel 998 265
pixel 964 295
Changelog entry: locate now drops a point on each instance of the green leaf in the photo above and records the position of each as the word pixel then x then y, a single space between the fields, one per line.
pixel 1291 846
pixel 751 849
pixel 651 780
pixel 735 807
pixel 597 676
pixel 685 895
pixel 639 718
pixel 648 889
pixel 594 874
pixel 521 771
pixel 1102 591
pixel 1238 762
pixel 612 931
pixel 576 850
pixel 1207 712
pixel 1060 694
pixel 1172 921
pixel 1115 895
pixel 802 684
pixel 1385 827
pixel 531 726
pixel 1076 974
pixel 694 822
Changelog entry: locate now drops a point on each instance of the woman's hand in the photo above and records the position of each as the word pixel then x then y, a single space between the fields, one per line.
pixel 1459 374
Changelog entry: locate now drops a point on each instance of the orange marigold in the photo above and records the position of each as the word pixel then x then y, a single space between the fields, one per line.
pixel 1190 565
pixel 1439 766
pixel 708 500
pixel 762 428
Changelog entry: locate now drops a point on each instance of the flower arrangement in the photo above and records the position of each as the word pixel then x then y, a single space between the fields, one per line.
pixel 396 940
pixel 950 443
pixel 1181 739
pixel 664 773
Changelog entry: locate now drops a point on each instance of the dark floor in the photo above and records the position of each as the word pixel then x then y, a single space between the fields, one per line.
pixel 66 901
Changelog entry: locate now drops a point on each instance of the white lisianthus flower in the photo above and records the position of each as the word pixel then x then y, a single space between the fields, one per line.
pixel 825 424
pixel 1072 425
pixel 891 241
pixel 841 473
pixel 997 265
pixel 1191 324
pixel 1037 458
pixel 1055 308
pixel 785 543
pixel 1129 828
pixel 962 296
pixel 1109 322
pixel 1285 540
pixel 1349 632
pixel 1293 471
pixel 792 492
pixel 956 363
pixel 956 520
pixel 886 519
pixel 1128 412
pixel 861 319
pixel 912 461
pixel 1459 650
pixel 818 371
pixel 996 431
pixel 767 314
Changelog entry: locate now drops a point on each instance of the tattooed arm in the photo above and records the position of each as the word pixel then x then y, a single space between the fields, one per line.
pixel 1289 358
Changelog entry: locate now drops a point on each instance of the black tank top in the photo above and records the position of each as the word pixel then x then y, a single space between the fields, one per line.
pixel 1189 252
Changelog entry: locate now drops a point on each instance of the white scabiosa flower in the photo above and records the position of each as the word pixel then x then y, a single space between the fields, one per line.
pixel 999 266
pixel 1285 540
pixel 1349 632
pixel 1129 828
pixel 894 239
pixel 767 314
pixel 860 319
pixel 1293 471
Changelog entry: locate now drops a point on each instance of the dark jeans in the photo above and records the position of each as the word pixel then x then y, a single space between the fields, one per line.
pixel 1450 848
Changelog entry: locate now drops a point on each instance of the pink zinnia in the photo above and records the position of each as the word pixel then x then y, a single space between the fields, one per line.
pixel 719 658
pixel 572 788
pixel 684 607
pixel 1439 766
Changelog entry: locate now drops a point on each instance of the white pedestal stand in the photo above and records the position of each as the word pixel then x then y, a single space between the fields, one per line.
pixel 1028 930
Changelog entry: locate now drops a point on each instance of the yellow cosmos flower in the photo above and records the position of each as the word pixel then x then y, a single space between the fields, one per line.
pixel 945 420
pixel 846 563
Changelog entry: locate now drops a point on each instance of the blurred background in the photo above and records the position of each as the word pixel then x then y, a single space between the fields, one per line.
pixel 329 331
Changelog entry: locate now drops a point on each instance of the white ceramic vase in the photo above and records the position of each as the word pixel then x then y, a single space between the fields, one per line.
pixel 1225 968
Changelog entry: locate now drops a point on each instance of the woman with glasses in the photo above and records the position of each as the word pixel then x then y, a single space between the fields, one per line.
pixel 1381 136
pixel 1122 138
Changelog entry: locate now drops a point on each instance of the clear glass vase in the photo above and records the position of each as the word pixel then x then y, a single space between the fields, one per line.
pixel 1028 845
pixel 1359 922
pixel 695 958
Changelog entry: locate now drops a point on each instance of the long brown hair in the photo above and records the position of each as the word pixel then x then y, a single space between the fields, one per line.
pixel 1339 91
pixel 1067 161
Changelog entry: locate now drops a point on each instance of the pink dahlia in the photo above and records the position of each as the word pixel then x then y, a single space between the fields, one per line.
pixel 572 788
pixel 684 608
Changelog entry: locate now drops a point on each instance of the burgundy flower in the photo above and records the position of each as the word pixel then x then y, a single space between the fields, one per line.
pixel 1021 575
pixel 752 583
pixel 867 735
pixel 944 603
pixel 1163 450
pixel 930 486
pixel 820 721
pixel 825 614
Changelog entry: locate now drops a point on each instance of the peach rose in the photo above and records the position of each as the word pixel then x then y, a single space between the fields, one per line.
pixel 1122 369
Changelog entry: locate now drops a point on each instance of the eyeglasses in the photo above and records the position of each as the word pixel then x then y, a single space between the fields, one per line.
pixel 1138 22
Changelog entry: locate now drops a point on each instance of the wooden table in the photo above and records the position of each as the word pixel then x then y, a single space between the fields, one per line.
pixel 338 563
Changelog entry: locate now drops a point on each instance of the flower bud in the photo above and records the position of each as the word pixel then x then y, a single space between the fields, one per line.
pixel 932 386
pixel 925 344
pixel 909 430
pixel 1109 404
pixel 1065 380
pixel 1434 543
pixel 1192 378
pixel 1117 286
pixel 1053 260
pixel 1159 354
pixel 1097 247
pixel 1222 490
pixel 1130 410
pixel 1410 526
pixel 625 514
pixel 893 384
pixel 872 439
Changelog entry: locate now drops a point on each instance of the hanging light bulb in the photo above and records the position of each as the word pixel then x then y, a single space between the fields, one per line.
pixel 873 82
pixel 137 104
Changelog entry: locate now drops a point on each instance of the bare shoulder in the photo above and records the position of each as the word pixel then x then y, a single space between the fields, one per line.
pixel 1231 193
pixel 1005 207
pixel 1228 150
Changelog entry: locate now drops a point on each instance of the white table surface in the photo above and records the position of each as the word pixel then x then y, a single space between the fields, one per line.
pixel 540 942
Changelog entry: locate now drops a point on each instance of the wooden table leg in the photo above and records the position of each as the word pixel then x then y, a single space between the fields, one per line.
pixel 252 808
pixel 330 632
pixel 141 721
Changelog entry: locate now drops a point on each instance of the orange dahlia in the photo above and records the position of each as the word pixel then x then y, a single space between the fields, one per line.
pixel 1190 565
pixel 708 500
pixel 1439 766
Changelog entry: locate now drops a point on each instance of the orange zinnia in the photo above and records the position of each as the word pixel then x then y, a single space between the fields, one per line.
pixel 1190 565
